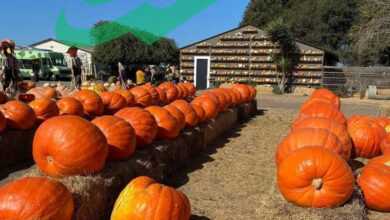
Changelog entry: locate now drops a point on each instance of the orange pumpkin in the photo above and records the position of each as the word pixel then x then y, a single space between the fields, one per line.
pixel 315 177
pixel 127 95
pixel 168 127
pixel 180 92
pixel 200 113
pixel 112 102
pixel 69 145
pixel 144 198
pixel 119 134
pixel 44 108
pixel 19 115
pixel 3 97
pixel 374 181
pixel 162 95
pixel 91 101
pixel 142 121
pixel 385 144
pixel 322 110
pixel 184 92
pixel 70 106
pixel 176 113
pixel 209 106
pixel 244 91
pixel 171 91
pixel 215 99
pixel 43 92
pixel 228 96
pixel 223 104
pixel 142 96
pixel 3 122
pixel 237 96
pixel 366 135
pixel 190 115
pixel 190 88
pixel 309 103
pixel 301 138
pixel 35 198
pixel 153 92
pixel 339 130
pixel 328 95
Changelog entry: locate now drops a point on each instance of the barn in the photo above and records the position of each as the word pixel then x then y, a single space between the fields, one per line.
pixel 244 55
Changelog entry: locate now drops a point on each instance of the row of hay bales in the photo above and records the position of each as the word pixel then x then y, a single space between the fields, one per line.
pixel 95 194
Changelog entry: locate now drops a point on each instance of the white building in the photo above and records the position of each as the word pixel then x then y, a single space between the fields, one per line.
pixel 85 54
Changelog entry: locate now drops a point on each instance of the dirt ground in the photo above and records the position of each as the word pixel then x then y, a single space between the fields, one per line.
pixel 237 180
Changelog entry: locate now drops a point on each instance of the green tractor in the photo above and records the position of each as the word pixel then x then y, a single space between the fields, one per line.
pixel 49 65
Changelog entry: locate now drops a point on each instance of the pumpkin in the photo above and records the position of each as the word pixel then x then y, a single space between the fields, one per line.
pixel 209 106
pixel 127 95
pixel 366 135
pixel 31 198
pixel 384 122
pixel 162 95
pixel 19 115
pixel 328 95
pixel 223 104
pixel 3 122
pixel 176 113
pixel 69 145
pixel 191 118
pixel 237 96
pixel 244 91
pixel 308 137
pixel 315 177
pixel 322 110
pixel 144 198
pixel 180 92
pixel 228 96
pixel 374 181
pixel 385 144
pixel 119 134
pixel 190 88
pixel 184 92
pixel 168 126
pixel 309 103
pixel 339 130
pixel 200 113
pixel 142 121
pixel 3 97
pixel 253 91
pixel 112 102
pixel 171 91
pixel 70 106
pixel 153 93
pixel 214 98
pixel 142 96
pixel 43 92
pixel 91 101
pixel 44 108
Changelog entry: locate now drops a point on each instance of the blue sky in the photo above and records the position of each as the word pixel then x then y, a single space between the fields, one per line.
pixel 30 21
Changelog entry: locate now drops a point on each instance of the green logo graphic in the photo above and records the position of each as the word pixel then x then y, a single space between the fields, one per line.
pixel 146 22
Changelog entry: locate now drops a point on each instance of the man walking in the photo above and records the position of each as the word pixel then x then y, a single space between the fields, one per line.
pixel 9 69
pixel 75 65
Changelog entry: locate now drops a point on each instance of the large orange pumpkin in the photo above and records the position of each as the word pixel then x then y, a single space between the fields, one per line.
pixel 70 106
pixel 374 181
pixel 215 99
pixel 31 198
pixel 309 103
pixel 199 112
pixel 153 92
pixel 308 137
pixel 244 91
pixel 144 198
pixel 223 103
pixel 162 96
pixel 209 106
pixel 237 96
pixel 119 134
pixel 180 92
pixel 112 102
pixel 366 135
pixel 127 95
pixel 328 95
pixel 322 110
pixel 43 92
pixel 69 145
pixel 184 91
pixel 190 115
pixel 19 115
pixel 176 113
pixel 168 127
pixel 171 91
pixel 315 177
pixel 3 122
pixel 44 108
pixel 142 121
pixel 91 101
pixel 190 88
pixel 339 130
pixel 142 96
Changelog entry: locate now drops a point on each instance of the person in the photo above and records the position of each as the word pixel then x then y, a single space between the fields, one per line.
pixel 75 64
pixel 35 68
pixel 140 75
pixel 122 72
pixel 148 74
pixel 9 68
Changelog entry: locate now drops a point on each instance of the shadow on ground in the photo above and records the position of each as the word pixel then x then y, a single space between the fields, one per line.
pixel 196 217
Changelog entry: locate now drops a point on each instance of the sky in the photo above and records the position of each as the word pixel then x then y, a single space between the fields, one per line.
pixel 27 21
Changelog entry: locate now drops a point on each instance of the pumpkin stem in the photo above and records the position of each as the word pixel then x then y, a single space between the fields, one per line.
pixel 49 159
pixel 317 183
